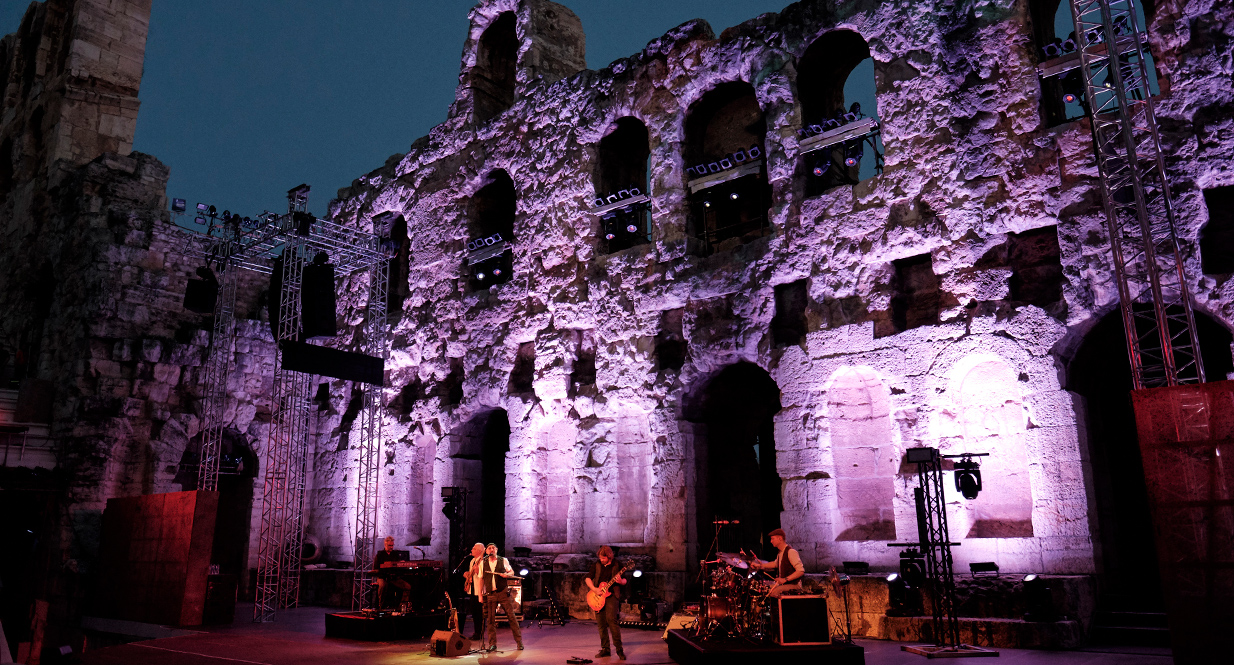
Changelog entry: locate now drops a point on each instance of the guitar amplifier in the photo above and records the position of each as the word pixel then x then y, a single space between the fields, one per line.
pixel 803 620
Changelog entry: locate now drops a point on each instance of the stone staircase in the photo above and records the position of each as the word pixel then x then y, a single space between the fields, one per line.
pixel 23 444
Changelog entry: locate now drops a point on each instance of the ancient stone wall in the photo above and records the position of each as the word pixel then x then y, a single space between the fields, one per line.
pixel 943 297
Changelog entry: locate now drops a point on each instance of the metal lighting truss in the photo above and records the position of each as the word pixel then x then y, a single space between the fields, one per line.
pixel 1156 304
pixel 297 237
pixel 936 548
pixel 370 443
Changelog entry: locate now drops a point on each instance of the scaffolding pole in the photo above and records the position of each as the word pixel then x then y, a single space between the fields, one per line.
pixel 1156 304
pixel 218 370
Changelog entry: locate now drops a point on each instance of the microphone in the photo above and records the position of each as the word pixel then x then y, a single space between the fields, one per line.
pixel 726 522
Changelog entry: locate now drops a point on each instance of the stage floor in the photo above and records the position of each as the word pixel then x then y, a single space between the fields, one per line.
pixel 298 638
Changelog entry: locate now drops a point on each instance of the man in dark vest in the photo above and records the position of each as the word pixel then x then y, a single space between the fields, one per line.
pixel 494 571
pixel 787 565
pixel 606 570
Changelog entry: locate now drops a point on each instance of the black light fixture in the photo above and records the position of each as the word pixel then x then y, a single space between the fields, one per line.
pixel 983 567
pixel 202 207
pixel 968 477
pixel 912 567
pixel 856 568
pixel 179 205
pixel 1038 601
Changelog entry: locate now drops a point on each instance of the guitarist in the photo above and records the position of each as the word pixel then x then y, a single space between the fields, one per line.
pixel 606 571
pixel 472 588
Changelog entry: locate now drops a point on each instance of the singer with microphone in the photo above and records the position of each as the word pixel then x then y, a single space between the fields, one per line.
pixel 472 591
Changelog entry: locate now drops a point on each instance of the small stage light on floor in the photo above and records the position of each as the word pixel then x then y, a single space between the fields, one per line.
pixel 1038 601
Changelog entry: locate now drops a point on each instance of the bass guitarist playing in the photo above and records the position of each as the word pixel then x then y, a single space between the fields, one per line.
pixel 605 582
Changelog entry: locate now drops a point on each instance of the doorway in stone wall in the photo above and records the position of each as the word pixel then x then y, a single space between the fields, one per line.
pixel 735 458
pixel 479 463
pixel 1101 373
pixel 233 523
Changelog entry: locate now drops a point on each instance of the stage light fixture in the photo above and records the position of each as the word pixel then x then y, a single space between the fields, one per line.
pixel 212 211
pixel 912 567
pixel 632 228
pixel 200 221
pixel 178 205
pixel 734 196
pixel 853 154
pixel 706 204
pixel 523 572
pixel 636 573
pixel 496 272
pixel 1038 601
pixel 201 207
pixel 480 276
pixel 1070 98
pixel 819 170
pixel 609 236
pixel 968 478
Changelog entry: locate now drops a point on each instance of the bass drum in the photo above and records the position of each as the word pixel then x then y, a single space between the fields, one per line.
pixel 717 608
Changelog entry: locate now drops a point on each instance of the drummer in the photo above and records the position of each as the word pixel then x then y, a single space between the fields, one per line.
pixel 787 566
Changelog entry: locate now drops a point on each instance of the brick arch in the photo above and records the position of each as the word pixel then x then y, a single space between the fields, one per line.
pixel 866 460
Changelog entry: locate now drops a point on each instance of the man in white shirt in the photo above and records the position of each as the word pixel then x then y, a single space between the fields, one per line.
pixel 494 570
pixel 474 593
pixel 787 565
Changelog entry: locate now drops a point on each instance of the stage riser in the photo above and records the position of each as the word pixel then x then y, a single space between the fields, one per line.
pixel 685 651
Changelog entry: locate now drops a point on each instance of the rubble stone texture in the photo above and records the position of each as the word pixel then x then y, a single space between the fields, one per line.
pixel 618 396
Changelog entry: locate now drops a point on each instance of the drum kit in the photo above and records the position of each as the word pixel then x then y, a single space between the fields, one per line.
pixel 735 599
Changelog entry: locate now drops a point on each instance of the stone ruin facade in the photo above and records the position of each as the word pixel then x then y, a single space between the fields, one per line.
pixel 769 360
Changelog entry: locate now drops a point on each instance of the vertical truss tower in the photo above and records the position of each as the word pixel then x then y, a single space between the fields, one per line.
pixel 370 443
pixel 218 364
pixel 1156 303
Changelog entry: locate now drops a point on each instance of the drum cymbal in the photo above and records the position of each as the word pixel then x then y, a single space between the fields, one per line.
pixel 734 560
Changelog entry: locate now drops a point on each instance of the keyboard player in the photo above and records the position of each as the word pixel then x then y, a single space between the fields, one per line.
pixel 384 566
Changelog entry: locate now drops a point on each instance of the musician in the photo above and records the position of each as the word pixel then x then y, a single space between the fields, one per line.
pixel 606 619
pixel 787 565
pixel 385 559
pixel 472 588
pixel 494 571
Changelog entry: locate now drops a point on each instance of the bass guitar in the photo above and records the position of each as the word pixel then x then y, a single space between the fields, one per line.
pixel 597 596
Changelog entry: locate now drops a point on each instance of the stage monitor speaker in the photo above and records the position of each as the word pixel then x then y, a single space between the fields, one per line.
pixel 449 644
pixel 324 361
pixel 803 620
pixel 200 296
pixel 317 301
pixel 680 620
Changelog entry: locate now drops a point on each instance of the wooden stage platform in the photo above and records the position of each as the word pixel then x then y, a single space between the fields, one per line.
pixel 685 651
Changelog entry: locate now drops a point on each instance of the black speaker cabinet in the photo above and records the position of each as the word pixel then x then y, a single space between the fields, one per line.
pixel 803 620
pixel 449 644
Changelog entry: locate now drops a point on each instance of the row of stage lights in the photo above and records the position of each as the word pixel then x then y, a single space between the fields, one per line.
pixel 729 161
pixel 835 122
pixel 206 214
pixel 1061 47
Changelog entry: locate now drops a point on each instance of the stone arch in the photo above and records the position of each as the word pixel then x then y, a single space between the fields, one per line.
pixel 988 415
pixel 621 169
pixel 835 76
pixel 238 466
pixel 398 288
pixel 725 131
pixel 495 73
pixel 736 475
pixel 478 460
pixel 866 460
pixel 491 213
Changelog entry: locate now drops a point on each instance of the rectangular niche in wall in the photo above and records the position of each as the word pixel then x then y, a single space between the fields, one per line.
pixel 789 325
pixel 1037 269
pixel 552 475
pixel 917 296
pixel 1217 236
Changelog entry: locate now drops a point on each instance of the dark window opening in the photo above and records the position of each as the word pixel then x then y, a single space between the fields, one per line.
pixel 348 421
pixel 493 77
pixel 622 174
pixel 408 396
pixel 583 373
pixel 322 397
pixel 451 388
pixel 1037 270
pixel 917 297
pixel 726 166
pixel 788 327
pixel 736 458
pixel 1217 236
pixel 491 227
pixel 671 344
pixel 400 265
pixel 523 375
pixel 840 139
pixel 1063 96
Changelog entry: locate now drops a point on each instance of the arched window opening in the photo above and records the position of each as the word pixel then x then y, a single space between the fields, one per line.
pixel 478 459
pixel 623 190
pixel 840 142
pixel 1217 236
pixel 1063 97
pixel 237 470
pixel 493 77
pixel 397 245
pixel 491 227
pixel 866 460
pixel 725 162
pixel 736 457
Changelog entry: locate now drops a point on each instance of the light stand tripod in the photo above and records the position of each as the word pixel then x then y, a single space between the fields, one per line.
pixel 935 544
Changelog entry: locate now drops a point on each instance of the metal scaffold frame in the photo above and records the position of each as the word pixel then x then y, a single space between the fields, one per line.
pixel 1156 303
pixel 296 237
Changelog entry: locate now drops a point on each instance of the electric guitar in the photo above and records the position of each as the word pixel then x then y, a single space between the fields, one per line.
pixel 597 596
